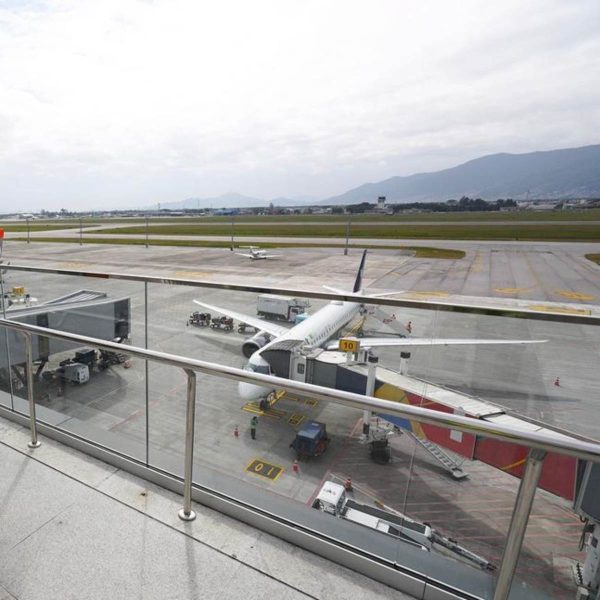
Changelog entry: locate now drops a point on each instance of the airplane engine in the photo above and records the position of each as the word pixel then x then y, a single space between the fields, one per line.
pixel 256 342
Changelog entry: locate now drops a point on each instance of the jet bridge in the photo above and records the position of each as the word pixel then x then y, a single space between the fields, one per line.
pixel 83 312
pixel 331 369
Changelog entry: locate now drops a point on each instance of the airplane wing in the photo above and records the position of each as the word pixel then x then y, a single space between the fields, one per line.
pixel 246 255
pixel 271 255
pixel 271 328
pixel 374 342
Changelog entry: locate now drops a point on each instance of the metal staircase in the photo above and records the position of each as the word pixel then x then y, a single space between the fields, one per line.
pixel 453 467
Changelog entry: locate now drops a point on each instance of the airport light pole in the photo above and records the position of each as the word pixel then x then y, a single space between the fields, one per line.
pixel 348 224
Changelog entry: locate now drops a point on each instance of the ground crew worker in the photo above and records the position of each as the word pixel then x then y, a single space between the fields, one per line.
pixel 253 424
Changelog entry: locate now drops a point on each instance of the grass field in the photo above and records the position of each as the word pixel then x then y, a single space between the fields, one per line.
pixel 475 217
pixel 594 258
pixel 419 251
pixel 488 231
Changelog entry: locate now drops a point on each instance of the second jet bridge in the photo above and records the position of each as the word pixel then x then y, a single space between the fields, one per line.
pixel 330 369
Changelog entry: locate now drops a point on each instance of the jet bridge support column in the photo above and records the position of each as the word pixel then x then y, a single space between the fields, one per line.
pixel 518 523
pixel 372 361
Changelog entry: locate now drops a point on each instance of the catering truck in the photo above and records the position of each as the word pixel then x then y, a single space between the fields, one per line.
pixel 280 308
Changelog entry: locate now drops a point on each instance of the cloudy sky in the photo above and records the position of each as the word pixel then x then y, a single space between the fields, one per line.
pixel 129 103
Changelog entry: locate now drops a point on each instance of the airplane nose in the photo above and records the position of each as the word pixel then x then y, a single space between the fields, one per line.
pixel 249 391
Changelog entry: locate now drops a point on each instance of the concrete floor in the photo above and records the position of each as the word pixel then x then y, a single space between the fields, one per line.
pixel 517 377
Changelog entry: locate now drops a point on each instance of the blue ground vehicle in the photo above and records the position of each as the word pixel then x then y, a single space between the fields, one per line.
pixel 311 440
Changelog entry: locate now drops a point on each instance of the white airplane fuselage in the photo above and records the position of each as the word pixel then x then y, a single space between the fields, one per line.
pixel 313 331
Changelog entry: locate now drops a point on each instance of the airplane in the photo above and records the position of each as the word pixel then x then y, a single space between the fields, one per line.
pixel 256 253
pixel 319 329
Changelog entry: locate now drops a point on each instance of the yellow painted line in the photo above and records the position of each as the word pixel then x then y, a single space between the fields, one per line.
pixel 72 265
pixel 515 464
pixel 422 295
pixel 574 295
pixel 185 274
pixel 254 407
pixel 509 290
pixel 567 311
pixel 296 419
pixel 259 466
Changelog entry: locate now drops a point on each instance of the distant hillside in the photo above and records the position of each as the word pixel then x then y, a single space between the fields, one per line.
pixel 569 173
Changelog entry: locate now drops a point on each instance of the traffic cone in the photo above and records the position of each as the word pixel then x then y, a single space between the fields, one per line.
pixel 557 382
pixel 295 467
pixel 409 327
pixel 236 432
pixel 348 484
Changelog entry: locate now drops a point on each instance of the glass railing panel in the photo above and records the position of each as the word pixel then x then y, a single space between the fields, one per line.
pixel 387 468
pixel 95 394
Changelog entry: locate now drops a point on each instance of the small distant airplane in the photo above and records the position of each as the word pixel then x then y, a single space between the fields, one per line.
pixel 256 253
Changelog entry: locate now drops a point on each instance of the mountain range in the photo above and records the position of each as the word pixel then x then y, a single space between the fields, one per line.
pixel 568 173
pixel 552 174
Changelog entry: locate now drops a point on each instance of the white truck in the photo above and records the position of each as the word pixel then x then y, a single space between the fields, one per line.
pixel 281 308
pixel 332 499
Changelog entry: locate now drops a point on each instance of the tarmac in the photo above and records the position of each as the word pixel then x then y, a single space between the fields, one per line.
pixel 477 510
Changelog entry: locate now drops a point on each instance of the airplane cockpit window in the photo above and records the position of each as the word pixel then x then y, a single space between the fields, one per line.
pixel 262 369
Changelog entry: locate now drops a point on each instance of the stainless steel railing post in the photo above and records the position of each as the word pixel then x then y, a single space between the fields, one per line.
pixel 34 443
pixel 518 522
pixel 186 513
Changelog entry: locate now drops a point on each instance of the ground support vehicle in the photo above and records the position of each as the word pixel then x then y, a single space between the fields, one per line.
pixel 333 499
pixel 310 441
pixel 280 308
pixel 199 319
pixel 224 323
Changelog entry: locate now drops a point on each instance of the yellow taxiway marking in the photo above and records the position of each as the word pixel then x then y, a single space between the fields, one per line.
pixel 261 467
pixel 312 402
pixel 185 274
pixel 509 290
pixel 514 465
pixel 574 295
pixel 296 419
pixel 254 407
pixel 420 295
pixel 565 311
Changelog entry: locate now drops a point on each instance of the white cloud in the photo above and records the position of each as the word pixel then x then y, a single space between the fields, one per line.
pixel 133 102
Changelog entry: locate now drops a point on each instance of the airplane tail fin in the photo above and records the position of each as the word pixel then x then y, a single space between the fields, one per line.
pixel 358 282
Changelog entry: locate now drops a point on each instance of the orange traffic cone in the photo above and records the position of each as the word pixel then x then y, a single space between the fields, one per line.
pixel 348 485
pixel 236 432
pixel 557 382
pixel 295 467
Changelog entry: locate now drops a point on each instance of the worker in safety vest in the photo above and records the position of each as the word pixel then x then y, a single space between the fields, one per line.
pixel 253 424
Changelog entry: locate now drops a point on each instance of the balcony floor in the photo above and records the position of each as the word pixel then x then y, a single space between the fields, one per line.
pixel 74 527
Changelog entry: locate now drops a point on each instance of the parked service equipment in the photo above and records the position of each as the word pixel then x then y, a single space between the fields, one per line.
pixel 75 373
pixel 199 319
pixel 311 440
pixel 224 323
pixel 332 499
pixel 281 308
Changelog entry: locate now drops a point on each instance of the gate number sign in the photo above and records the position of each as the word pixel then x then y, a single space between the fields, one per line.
pixel 264 469
pixel 348 345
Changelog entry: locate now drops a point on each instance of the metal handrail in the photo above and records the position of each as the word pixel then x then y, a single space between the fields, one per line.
pixel 539 443
pixel 532 439
pixel 546 314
